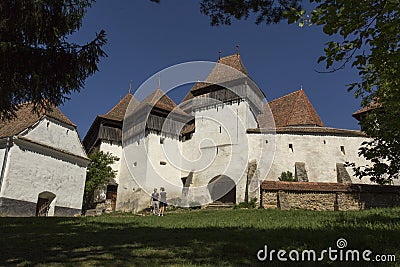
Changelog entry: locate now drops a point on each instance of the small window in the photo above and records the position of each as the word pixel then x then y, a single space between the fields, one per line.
pixel 291 148
pixel 162 140
pixel 324 142
pixel 342 150
pixel 220 129
pixel 67 132
pixel 48 123
pixel 217 150
pixel 163 163
pixel 183 179
pixel 266 141
pixel 135 164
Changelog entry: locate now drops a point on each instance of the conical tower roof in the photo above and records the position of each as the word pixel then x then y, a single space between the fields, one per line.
pixel 117 113
pixel 228 68
pixel 160 100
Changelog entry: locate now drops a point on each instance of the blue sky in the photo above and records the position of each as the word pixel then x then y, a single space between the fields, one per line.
pixel 145 37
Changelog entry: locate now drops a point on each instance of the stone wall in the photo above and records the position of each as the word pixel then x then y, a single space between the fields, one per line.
pixel 327 196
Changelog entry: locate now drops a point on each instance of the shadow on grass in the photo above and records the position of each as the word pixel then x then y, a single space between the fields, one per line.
pixel 134 241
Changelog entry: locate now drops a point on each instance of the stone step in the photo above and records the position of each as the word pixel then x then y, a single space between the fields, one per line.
pixel 219 205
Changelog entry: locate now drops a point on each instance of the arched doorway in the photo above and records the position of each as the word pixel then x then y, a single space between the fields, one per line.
pixel 45 204
pixel 222 189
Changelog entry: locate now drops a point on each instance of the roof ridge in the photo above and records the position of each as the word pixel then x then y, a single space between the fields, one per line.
pixel 156 101
pixel 293 106
pixel 307 106
pixel 116 105
pixel 25 118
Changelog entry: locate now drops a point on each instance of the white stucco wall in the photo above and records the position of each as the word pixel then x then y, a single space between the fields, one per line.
pixel 31 172
pixel 2 152
pixel 53 133
pixel 320 153
pixel 131 197
pixel 221 152
pixel 214 151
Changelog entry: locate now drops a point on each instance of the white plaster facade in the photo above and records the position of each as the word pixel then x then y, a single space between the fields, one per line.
pixel 212 151
pixel 225 143
pixel 45 159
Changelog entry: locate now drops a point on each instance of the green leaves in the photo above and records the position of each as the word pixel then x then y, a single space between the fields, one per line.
pixel 267 11
pixel 99 171
pixel 37 63
pixel 365 35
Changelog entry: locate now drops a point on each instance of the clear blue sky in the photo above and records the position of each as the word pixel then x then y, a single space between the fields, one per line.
pixel 145 37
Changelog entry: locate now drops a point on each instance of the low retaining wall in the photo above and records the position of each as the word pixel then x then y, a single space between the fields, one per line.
pixel 327 196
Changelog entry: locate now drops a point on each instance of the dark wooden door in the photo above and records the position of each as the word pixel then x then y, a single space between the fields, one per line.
pixel 112 194
pixel 42 207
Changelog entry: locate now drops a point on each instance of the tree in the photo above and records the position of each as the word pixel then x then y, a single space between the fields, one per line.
pixel 268 11
pixel 368 34
pixel 38 64
pixel 98 175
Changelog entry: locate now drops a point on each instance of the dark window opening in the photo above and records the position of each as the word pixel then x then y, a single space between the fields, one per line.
pixel 184 179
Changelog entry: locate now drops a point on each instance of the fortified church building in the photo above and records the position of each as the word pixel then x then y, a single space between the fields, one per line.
pixel 247 146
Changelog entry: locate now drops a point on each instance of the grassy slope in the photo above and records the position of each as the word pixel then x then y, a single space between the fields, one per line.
pixel 210 238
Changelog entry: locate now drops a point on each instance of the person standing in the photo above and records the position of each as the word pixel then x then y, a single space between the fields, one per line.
pixel 163 201
pixel 154 202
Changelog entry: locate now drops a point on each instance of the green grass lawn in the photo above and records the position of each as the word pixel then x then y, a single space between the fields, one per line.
pixel 195 238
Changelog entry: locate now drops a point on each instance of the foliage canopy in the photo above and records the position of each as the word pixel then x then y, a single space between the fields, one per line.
pixel 99 171
pixel 38 63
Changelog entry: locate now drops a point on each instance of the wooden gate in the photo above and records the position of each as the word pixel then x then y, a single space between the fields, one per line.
pixel 112 194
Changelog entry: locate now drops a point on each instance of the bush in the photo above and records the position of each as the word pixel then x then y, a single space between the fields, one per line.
pixel 287 177
pixel 252 204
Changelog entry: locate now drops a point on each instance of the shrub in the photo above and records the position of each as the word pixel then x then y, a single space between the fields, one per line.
pixel 252 204
pixel 287 177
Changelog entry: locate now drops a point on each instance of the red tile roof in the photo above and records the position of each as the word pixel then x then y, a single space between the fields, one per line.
pixel 117 113
pixel 294 109
pixel 160 100
pixel 226 70
pixel 25 118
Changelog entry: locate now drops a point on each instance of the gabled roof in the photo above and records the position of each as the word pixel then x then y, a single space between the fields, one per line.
pixel 160 100
pixel 294 109
pixel 117 113
pixel 225 70
pixel 25 118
